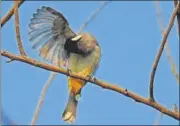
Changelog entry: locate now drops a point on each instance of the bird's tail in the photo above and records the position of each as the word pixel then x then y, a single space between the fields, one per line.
pixel 69 114
pixel 74 86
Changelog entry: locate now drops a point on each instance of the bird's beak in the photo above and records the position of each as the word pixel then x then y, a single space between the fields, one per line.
pixel 78 37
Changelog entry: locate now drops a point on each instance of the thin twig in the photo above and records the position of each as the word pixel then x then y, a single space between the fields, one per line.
pixel 167 50
pixel 165 35
pixel 41 99
pixel 18 37
pixel 10 13
pixel 178 16
pixel 53 74
pixel 98 82
pixel 93 15
pixel 175 108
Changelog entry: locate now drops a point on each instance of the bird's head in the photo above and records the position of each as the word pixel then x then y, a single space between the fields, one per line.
pixel 86 38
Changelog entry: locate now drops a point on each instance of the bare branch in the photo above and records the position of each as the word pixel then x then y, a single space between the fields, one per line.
pixel 165 35
pixel 18 37
pixel 93 15
pixel 178 17
pixel 41 99
pixel 167 50
pixel 10 13
pixel 95 81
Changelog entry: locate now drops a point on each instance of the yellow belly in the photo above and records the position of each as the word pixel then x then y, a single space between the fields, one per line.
pixel 75 85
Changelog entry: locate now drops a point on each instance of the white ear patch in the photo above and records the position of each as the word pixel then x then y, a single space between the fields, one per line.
pixel 76 38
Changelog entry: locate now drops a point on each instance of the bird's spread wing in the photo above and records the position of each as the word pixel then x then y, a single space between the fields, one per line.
pixel 49 31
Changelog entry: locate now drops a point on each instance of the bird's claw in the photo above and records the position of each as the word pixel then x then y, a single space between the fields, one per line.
pixel 91 77
pixel 69 71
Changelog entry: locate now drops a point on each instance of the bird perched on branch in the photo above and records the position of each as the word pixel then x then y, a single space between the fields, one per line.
pixel 52 36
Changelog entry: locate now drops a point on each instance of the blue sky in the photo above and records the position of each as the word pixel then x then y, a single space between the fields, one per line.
pixel 129 36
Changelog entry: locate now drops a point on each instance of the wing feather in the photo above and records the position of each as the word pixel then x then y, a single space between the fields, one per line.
pixel 49 31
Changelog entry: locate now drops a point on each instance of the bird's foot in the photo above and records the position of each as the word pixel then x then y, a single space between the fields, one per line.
pixel 92 78
pixel 69 71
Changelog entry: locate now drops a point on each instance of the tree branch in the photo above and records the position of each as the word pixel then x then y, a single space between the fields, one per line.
pixel 161 23
pixel 95 81
pixel 10 13
pixel 18 37
pixel 178 17
pixel 41 98
pixel 165 35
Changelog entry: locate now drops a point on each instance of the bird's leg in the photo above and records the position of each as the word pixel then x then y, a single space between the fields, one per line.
pixel 89 77
pixel 69 71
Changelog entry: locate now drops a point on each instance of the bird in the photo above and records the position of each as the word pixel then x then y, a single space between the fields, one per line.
pixel 51 35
